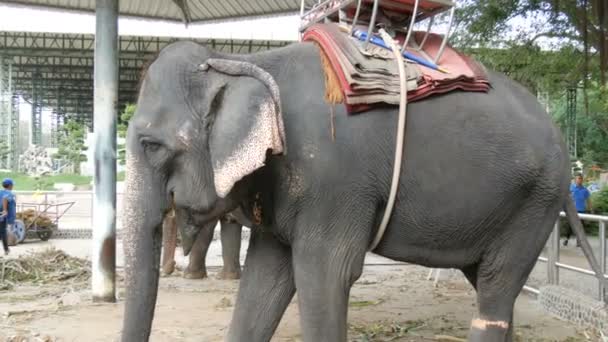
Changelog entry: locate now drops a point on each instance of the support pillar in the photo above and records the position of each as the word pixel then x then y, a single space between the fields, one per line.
pixel 104 118
pixel 571 129
pixel 55 119
pixel 15 137
pixel 9 115
pixel 4 116
pixel 36 127
pixel 54 128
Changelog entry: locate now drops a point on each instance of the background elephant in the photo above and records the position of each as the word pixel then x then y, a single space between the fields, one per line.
pixel 230 236
pixel 483 181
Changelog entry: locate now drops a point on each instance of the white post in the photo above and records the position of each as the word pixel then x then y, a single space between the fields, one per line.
pixel 104 122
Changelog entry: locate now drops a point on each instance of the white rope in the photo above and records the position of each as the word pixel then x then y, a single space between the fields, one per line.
pixel 400 138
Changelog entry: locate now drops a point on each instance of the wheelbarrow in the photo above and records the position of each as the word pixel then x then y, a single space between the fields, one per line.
pixel 51 212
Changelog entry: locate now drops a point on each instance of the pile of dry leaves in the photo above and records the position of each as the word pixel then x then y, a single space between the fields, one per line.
pixel 43 267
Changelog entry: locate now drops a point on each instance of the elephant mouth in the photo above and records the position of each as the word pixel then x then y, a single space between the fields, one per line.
pixel 190 224
pixel 199 218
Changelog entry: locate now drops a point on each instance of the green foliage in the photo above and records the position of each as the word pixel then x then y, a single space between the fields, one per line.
pixel 71 144
pixel 497 22
pixel 42 183
pixel 495 27
pixel 125 117
pixel 592 129
pixel 599 200
pixel 493 33
pixel 549 71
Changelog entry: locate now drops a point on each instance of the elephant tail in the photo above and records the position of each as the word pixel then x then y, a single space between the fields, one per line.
pixel 577 226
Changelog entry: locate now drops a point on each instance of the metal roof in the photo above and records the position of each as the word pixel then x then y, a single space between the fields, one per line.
pixel 58 68
pixel 179 10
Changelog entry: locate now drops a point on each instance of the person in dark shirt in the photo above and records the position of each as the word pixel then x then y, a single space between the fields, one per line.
pixel 8 213
pixel 581 197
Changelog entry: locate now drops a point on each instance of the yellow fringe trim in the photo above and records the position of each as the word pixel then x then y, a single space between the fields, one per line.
pixel 333 89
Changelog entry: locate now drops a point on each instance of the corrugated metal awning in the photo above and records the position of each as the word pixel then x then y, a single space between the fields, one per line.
pixel 179 10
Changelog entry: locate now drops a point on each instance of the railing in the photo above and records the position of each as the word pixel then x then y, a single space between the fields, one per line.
pixel 80 215
pixel 553 257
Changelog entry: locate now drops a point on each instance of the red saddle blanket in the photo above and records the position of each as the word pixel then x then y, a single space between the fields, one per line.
pixel 362 78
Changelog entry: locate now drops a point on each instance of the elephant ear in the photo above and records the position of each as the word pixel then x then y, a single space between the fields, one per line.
pixel 246 124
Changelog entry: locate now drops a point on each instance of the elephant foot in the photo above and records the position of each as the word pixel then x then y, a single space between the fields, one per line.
pixel 167 269
pixel 195 274
pixel 229 275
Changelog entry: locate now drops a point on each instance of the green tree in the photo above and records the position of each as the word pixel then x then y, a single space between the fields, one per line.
pixel 592 129
pixel 576 55
pixel 584 22
pixel 71 138
pixel 125 117
pixel 538 70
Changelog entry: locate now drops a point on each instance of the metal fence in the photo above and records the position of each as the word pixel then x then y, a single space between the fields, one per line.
pixel 553 257
pixel 78 216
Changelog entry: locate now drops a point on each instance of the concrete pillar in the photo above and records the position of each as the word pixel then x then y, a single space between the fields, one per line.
pixel 4 114
pixel 104 117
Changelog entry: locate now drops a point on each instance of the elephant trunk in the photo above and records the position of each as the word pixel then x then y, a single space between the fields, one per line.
pixel 145 204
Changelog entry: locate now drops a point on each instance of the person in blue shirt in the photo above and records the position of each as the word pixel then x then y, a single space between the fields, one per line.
pixel 8 213
pixel 581 197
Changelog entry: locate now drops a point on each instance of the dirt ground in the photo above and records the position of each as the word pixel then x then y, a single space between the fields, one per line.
pixel 388 303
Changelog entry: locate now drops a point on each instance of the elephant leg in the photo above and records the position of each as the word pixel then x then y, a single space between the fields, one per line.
pixel 169 244
pixel 196 265
pixel 495 309
pixel 325 270
pixel 265 289
pixel 470 273
pixel 501 274
pixel 231 249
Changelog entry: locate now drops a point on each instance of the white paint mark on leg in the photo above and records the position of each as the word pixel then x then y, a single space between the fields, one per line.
pixel 482 324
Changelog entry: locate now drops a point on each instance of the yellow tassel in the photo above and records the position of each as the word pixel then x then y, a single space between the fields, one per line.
pixel 333 90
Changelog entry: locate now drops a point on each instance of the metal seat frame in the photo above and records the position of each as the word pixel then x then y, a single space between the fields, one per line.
pixel 323 10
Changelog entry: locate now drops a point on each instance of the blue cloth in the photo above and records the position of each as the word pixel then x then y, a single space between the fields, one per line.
pixel 580 194
pixel 12 205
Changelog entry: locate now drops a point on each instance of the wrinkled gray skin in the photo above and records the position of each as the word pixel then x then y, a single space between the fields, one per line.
pixel 230 236
pixel 483 180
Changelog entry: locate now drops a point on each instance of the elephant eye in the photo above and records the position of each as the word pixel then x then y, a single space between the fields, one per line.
pixel 151 146
pixel 157 153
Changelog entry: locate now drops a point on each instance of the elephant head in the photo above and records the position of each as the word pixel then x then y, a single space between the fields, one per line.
pixel 203 123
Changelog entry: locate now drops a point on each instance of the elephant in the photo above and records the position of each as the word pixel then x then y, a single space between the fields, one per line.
pixel 231 246
pixel 484 178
